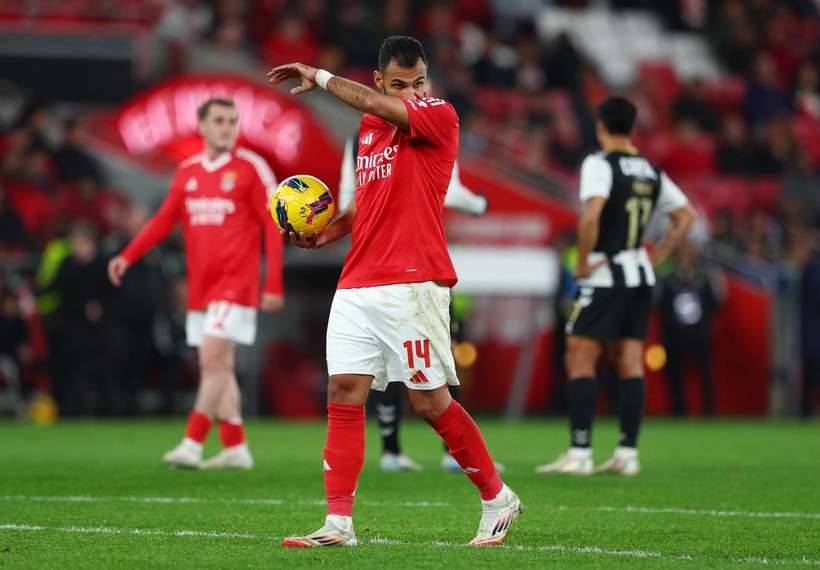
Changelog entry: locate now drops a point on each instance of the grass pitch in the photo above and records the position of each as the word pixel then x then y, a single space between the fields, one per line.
pixel 712 494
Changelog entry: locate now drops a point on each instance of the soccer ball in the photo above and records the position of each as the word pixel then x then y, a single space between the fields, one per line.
pixel 301 203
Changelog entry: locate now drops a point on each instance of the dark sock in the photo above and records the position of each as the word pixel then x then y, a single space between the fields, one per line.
pixel 582 395
pixel 388 412
pixel 632 396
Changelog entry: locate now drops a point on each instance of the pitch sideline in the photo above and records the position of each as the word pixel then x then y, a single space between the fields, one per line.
pixel 408 504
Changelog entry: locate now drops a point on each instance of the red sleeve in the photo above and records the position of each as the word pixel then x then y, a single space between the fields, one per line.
pixel 158 227
pixel 262 190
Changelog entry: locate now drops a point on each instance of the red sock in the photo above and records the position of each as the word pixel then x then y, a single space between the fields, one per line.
pixel 231 433
pixel 344 456
pixel 198 426
pixel 463 438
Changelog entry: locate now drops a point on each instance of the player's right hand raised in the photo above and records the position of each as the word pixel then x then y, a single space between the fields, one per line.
pixel 116 269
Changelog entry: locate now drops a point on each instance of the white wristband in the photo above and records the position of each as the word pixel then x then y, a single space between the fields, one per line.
pixel 322 77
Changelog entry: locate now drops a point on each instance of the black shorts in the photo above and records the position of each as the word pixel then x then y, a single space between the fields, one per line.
pixel 610 313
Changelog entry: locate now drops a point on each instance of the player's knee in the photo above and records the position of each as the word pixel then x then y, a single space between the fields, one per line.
pixel 429 405
pixel 214 362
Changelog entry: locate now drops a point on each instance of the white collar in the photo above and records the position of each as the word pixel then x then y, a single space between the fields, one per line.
pixel 217 163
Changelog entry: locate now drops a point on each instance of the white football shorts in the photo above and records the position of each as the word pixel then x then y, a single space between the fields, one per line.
pixel 222 319
pixel 395 333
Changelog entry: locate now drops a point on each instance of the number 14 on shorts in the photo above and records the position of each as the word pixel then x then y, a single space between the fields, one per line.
pixel 418 349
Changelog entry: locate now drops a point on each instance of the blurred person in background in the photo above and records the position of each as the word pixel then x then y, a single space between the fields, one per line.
pixel 810 333
pixel 619 191
pixel 689 299
pixel 86 338
pixel 221 197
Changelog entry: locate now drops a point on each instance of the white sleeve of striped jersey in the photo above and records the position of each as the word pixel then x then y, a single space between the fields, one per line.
pixel 347 182
pixel 671 197
pixel 596 178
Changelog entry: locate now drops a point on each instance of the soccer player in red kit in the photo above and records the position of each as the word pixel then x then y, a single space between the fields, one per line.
pixel 221 198
pixel 389 319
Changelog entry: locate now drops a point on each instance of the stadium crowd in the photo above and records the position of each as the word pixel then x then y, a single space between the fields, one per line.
pixel 745 147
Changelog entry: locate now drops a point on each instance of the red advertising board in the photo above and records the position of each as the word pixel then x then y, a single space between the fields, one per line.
pixel 158 127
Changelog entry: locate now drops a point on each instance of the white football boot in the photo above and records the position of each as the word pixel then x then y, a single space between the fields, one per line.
pixel 624 461
pixel 235 457
pixel 186 455
pixel 496 517
pixel 338 531
pixel 393 462
pixel 576 461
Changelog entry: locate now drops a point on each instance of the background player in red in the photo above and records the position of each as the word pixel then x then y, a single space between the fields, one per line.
pixel 389 319
pixel 221 198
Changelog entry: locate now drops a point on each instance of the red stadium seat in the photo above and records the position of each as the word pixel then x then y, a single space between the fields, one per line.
pixel 766 192
pixel 807 130
pixel 662 75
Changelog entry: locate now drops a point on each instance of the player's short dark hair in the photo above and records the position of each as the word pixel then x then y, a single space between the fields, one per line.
pixel 405 50
pixel 203 109
pixel 618 115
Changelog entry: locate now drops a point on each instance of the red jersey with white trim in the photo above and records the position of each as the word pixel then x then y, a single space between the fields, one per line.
pixel 223 205
pixel 401 181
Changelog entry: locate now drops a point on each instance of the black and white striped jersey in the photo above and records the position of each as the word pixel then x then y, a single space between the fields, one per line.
pixel 633 189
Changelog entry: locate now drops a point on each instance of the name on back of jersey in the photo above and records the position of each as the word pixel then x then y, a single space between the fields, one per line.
pixel 637 166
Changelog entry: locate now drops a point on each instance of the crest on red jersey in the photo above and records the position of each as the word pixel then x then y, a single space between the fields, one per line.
pixel 228 181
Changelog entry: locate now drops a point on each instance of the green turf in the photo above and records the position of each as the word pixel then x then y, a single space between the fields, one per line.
pixel 94 494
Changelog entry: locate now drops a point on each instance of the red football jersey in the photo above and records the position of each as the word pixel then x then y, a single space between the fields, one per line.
pixel 401 181
pixel 223 204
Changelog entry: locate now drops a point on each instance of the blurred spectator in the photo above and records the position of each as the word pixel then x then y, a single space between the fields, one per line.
pixel 694 104
pixel 561 63
pixel 735 153
pixel 733 35
pixel 16 349
pixel 810 334
pixel 496 67
pixel 807 89
pixel 765 98
pixel 801 181
pixel 12 231
pixel 86 200
pixel 87 329
pixel 290 40
pixel 73 159
pixel 350 32
pixel 757 240
pixel 691 153
pixel 568 147
pixel 396 18
pixel 779 34
pixel 183 24
pixel 777 147
pixel 28 187
pixel 139 300
pixel 724 242
pixel 530 73
pixel 689 298
pixel 178 361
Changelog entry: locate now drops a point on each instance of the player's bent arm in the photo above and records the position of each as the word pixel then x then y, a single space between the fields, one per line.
pixel 680 221
pixel 356 95
pixel 589 224
pixel 386 107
